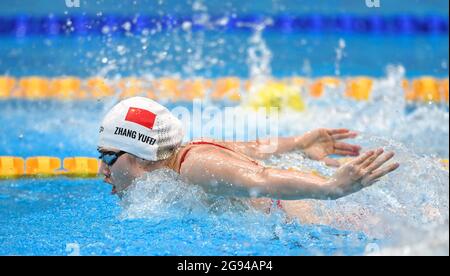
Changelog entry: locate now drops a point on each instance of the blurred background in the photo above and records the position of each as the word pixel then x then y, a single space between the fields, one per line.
pixel 212 38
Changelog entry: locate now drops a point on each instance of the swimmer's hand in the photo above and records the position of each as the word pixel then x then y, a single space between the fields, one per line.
pixel 321 143
pixel 360 173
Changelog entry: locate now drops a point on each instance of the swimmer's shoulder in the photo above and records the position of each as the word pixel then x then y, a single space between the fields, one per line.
pixel 186 151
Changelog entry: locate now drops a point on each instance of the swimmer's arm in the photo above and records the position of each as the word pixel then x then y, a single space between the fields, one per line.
pixel 218 173
pixel 317 145
pixel 265 148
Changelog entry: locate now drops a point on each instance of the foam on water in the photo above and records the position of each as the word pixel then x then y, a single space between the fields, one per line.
pixel 162 194
pixel 408 209
pixel 161 197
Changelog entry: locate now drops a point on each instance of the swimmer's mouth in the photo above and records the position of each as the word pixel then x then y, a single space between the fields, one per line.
pixel 114 190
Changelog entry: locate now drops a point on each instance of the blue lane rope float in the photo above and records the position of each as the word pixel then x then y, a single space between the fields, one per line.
pixel 400 24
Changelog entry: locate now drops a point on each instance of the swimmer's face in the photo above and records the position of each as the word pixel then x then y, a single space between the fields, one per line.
pixel 122 172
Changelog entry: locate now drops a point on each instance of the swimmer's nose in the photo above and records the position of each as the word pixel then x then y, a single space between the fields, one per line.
pixel 104 169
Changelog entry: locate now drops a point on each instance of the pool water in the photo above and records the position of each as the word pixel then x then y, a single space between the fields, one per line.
pixel 214 53
pixel 63 217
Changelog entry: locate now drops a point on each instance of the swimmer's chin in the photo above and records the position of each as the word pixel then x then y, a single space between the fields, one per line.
pixel 120 192
pixel 114 190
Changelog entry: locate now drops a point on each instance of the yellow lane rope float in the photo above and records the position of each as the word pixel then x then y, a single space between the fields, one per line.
pixel 318 88
pixel 11 167
pixel 427 90
pixel 44 166
pixel 275 94
pixel 131 87
pixel 7 85
pixel 444 162
pixel 227 88
pixel 359 88
pixel 286 92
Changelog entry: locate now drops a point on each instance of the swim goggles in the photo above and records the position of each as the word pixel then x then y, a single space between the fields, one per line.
pixel 110 157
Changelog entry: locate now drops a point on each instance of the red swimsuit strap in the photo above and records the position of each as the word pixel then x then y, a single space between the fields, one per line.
pixel 183 157
pixel 209 143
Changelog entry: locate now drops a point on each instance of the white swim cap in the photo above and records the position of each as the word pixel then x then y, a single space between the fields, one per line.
pixel 142 127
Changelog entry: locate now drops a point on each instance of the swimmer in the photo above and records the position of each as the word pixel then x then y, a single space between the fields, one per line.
pixel 138 136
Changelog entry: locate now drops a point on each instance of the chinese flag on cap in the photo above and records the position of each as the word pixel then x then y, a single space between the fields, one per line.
pixel 141 117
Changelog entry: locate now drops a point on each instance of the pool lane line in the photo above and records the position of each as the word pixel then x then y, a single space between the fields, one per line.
pixel 425 89
pixel 45 166
pixel 109 24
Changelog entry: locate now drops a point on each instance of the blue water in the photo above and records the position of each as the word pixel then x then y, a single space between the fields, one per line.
pixel 215 54
pixel 49 216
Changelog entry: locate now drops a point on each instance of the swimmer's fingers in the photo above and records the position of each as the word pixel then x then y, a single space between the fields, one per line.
pixel 340 134
pixel 346 149
pixel 332 131
pixel 331 162
pixel 370 160
pixel 377 174
pixel 346 152
pixel 382 159
pixel 359 160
